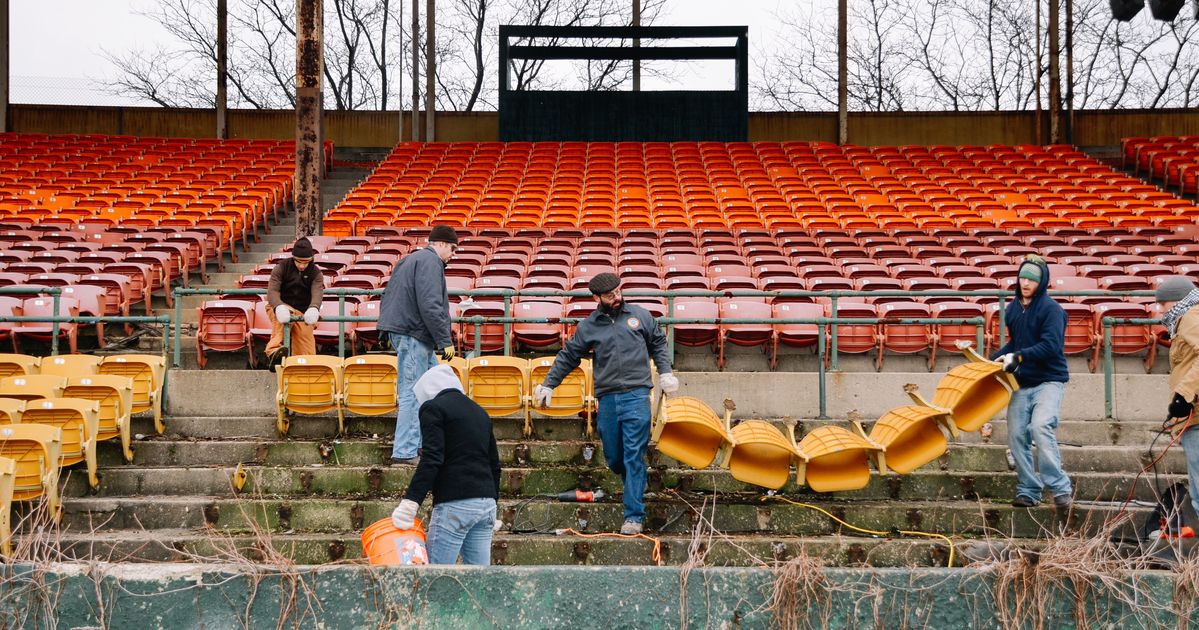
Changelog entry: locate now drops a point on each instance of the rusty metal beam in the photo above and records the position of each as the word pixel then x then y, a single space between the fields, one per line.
pixel 842 72
pixel 309 153
pixel 4 46
pixel 416 70
pixel 430 68
pixel 222 68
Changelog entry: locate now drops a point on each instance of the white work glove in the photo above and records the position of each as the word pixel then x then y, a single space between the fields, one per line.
pixel 1009 362
pixel 542 396
pixel 499 524
pixel 282 314
pixel 311 315
pixel 404 516
pixel 669 382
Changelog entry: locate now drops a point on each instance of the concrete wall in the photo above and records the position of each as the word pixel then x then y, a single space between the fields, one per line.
pixel 195 596
pixel 380 129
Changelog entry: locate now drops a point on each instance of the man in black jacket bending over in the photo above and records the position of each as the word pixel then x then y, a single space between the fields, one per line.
pixel 622 337
pixel 460 465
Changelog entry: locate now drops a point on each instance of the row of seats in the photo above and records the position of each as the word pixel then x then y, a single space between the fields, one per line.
pixel 748 185
pixel 366 385
pixel 235 325
pixel 1168 158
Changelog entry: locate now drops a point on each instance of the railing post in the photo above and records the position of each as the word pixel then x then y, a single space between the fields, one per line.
pixel 980 335
pixel 1002 319
pixel 178 324
pixel 670 327
pixel 834 363
pixel 287 335
pixel 820 373
pixel 507 324
pixel 341 325
pixel 1108 367
pixel 478 319
pixel 55 297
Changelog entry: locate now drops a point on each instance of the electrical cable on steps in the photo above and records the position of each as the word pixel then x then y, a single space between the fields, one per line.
pixel 1166 427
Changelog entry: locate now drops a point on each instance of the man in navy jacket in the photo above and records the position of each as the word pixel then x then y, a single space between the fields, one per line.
pixel 1035 353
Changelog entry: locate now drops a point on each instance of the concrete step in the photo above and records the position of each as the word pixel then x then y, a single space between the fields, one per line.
pixel 302 483
pixel 669 515
pixel 166 452
pixel 178 545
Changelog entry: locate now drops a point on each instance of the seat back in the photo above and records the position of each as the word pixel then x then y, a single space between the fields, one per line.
pixel 310 383
pixel 974 392
pixel 18 364
pixel 32 386
pixel 36 450
pixel 369 384
pixel 498 384
pixel 71 364
pixel 78 419
pixel 689 431
pixel 8 480
pixel 761 455
pixel 838 459
pixel 148 373
pixel 572 397
pixel 10 410
pixel 224 324
pixel 912 436
pixel 115 395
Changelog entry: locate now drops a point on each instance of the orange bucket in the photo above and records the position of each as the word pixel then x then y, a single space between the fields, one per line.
pixel 385 545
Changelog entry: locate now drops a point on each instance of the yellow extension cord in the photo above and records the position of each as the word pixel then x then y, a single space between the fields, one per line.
pixel 872 532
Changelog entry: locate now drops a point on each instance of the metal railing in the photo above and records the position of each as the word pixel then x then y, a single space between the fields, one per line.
pixel 1109 362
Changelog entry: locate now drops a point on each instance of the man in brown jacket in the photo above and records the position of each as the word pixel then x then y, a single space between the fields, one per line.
pixel 1179 296
pixel 295 288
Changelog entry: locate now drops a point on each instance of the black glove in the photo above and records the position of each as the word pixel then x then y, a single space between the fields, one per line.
pixel 1180 407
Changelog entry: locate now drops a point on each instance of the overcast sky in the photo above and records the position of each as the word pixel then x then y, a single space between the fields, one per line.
pixel 57 45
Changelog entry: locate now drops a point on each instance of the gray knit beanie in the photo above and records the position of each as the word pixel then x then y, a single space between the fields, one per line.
pixel 1173 289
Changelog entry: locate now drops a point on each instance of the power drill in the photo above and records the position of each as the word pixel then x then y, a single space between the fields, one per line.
pixel 581 496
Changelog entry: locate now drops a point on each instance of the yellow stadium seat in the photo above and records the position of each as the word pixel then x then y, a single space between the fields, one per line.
pixel 309 384
pixel 972 393
pixel 70 364
pixel 37 450
pixel 762 456
pixel 572 397
pixel 369 384
pixel 115 395
pixel 689 431
pixel 912 436
pixel 80 422
pixel 32 386
pixel 839 459
pixel 148 372
pixel 10 410
pixel 17 364
pixel 500 385
pixel 8 479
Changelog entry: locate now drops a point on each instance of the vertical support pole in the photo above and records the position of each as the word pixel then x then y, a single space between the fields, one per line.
pixel 1055 79
pixel 833 339
pixel 178 323
pixel 222 69
pixel 842 76
pixel 341 326
pixel 670 327
pixel 1001 315
pixel 636 44
pixel 820 372
pixel 309 152
pixel 1108 385
pixel 416 70
pixel 1040 137
pixel 1069 72
pixel 430 68
pixel 507 324
pixel 54 327
pixel 4 46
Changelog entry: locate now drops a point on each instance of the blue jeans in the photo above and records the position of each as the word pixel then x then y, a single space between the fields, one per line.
pixel 624 425
pixel 1190 447
pixel 413 359
pixel 463 526
pixel 1032 418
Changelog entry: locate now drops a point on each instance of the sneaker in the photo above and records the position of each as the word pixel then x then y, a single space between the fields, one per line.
pixel 1024 502
pixel 405 461
pixel 631 528
pixel 1063 501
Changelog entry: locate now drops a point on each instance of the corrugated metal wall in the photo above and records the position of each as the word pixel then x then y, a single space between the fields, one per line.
pixel 381 129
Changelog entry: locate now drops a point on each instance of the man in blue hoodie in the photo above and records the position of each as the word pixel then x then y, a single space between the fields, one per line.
pixel 1035 354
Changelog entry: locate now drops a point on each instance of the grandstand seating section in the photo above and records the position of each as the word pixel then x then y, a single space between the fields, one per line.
pixel 1172 159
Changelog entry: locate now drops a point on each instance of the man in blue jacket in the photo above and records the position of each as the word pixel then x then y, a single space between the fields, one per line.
pixel 622 337
pixel 1035 353
pixel 415 313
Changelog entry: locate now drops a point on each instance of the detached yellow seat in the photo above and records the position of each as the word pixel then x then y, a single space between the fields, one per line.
pixel 309 384
pixel 839 459
pixel 8 480
pixel 974 392
pixel 80 422
pixel 11 410
pixel 500 385
pixel 912 436
pixel 37 450
pixel 115 395
pixel 689 431
pixel 17 364
pixel 32 386
pixel 369 384
pixel 573 397
pixel 148 372
pixel 762 456
pixel 71 364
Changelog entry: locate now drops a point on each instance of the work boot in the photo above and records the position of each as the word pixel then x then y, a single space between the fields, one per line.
pixel 1063 501
pixel 631 528
pixel 405 461
pixel 1025 502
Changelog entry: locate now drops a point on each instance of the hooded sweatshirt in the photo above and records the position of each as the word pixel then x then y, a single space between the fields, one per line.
pixel 459 458
pixel 1036 335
